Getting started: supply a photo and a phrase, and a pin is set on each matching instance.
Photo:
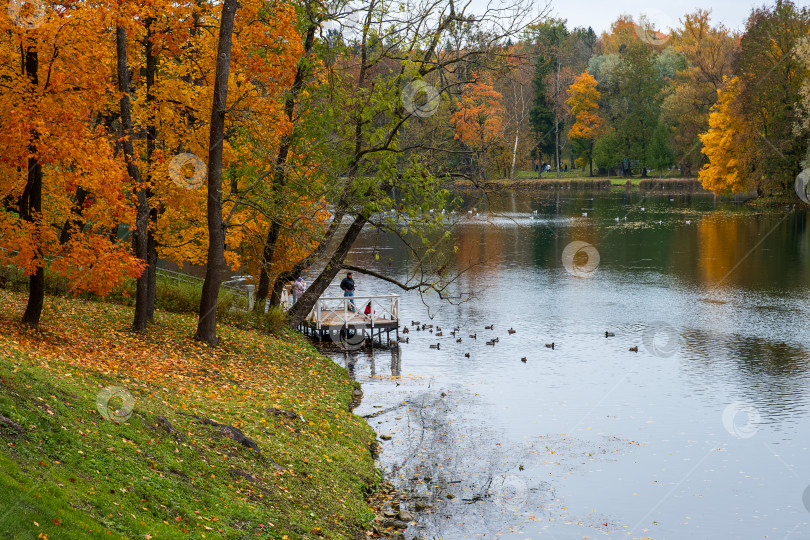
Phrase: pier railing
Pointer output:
(334, 310)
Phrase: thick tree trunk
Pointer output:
(33, 213)
(151, 136)
(31, 204)
(142, 214)
(207, 325)
(268, 253)
(298, 312)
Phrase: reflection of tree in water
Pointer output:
(396, 363)
(475, 485)
(770, 375)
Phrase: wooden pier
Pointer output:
(333, 318)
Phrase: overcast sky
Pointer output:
(599, 14)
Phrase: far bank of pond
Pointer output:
(549, 182)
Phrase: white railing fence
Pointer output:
(338, 310)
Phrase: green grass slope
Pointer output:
(67, 472)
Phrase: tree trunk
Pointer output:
(151, 137)
(280, 179)
(33, 214)
(31, 203)
(207, 325)
(300, 266)
(142, 213)
(75, 222)
(267, 260)
(557, 117)
(514, 153)
(151, 271)
(298, 312)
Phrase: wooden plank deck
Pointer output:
(332, 320)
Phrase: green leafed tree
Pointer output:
(659, 152)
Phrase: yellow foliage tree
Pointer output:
(583, 101)
(726, 143)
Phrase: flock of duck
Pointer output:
(418, 327)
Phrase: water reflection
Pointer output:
(590, 437)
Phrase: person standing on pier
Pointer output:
(347, 285)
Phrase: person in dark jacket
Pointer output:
(347, 286)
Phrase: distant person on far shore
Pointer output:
(347, 286)
(298, 289)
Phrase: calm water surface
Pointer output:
(703, 433)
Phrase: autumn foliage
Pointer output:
(479, 119)
(724, 144)
(52, 120)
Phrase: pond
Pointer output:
(702, 433)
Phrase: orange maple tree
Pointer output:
(60, 181)
(479, 118)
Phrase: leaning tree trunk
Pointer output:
(207, 325)
(31, 203)
(306, 262)
(299, 311)
(142, 214)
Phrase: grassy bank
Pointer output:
(67, 472)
